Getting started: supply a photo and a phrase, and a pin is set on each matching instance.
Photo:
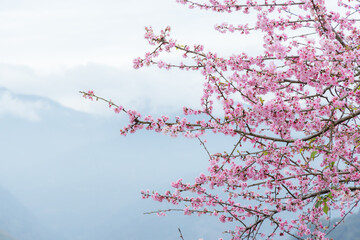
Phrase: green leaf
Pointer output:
(313, 154)
(318, 203)
(312, 140)
(352, 107)
(325, 208)
(179, 46)
(330, 195)
(357, 87)
(261, 100)
(266, 153)
(331, 165)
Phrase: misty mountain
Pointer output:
(140, 226)
(75, 174)
(5, 236)
(347, 230)
(17, 222)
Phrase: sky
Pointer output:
(56, 48)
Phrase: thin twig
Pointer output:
(207, 151)
(181, 236)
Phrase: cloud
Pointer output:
(56, 48)
(147, 89)
(15, 106)
(46, 34)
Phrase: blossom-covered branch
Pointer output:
(293, 112)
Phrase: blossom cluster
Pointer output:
(296, 104)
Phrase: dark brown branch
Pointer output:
(322, 192)
(181, 236)
(325, 129)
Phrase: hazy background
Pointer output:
(72, 176)
(65, 171)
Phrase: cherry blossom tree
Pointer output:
(297, 104)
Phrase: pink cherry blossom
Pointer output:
(292, 111)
